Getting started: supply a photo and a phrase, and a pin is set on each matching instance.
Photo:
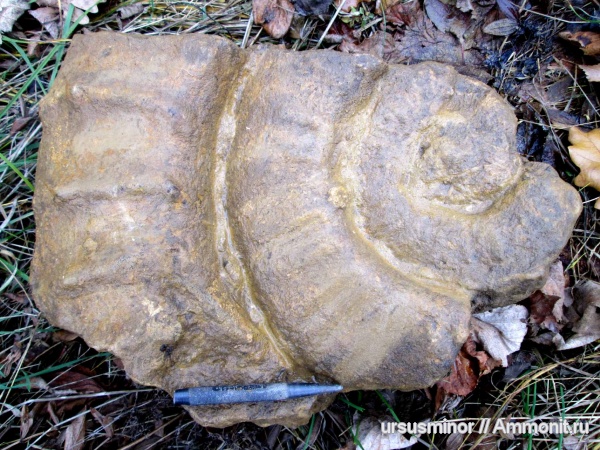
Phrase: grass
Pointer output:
(51, 382)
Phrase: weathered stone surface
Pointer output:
(273, 215)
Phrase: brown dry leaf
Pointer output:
(379, 44)
(555, 285)
(486, 362)
(589, 41)
(105, 421)
(52, 414)
(275, 16)
(48, 17)
(546, 305)
(462, 379)
(338, 33)
(64, 336)
(509, 9)
(542, 308)
(402, 13)
(470, 364)
(75, 434)
(585, 153)
(26, 421)
(586, 300)
(448, 18)
(73, 380)
(592, 72)
(130, 10)
(501, 330)
(38, 383)
(11, 359)
(10, 11)
(502, 27)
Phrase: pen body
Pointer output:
(216, 395)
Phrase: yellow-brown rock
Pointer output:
(272, 215)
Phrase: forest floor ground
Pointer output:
(56, 392)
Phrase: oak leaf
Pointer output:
(585, 153)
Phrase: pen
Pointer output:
(217, 395)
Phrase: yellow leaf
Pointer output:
(585, 153)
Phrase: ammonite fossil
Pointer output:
(270, 215)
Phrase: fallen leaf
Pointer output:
(509, 9)
(368, 432)
(75, 434)
(275, 16)
(131, 10)
(486, 362)
(502, 27)
(312, 7)
(542, 308)
(447, 18)
(64, 336)
(592, 72)
(586, 300)
(585, 153)
(105, 421)
(84, 5)
(555, 285)
(588, 41)
(10, 11)
(470, 364)
(52, 414)
(546, 305)
(562, 120)
(76, 381)
(6, 363)
(26, 421)
(520, 362)
(378, 45)
(48, 17)
(80, 6)
(338, 33)
(464, 5)
(575, 442)
(501, 330)
(402, 13)
(38, 383)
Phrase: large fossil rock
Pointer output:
(270, 215)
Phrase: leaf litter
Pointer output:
(411, 35)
